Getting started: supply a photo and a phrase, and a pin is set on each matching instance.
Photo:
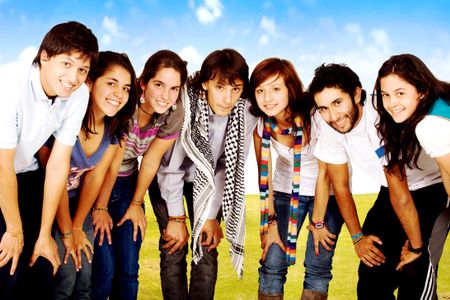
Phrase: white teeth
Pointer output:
(67, 85)
(113, 102)
(162, 103)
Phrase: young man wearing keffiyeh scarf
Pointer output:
(206, 165)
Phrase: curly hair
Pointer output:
(296, 96)
(401, 145)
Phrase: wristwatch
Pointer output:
(318, 225)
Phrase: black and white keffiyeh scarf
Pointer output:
(195, 141)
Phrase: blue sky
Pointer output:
(362, 34)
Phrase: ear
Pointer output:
(204, 86)
(89, 84)
(357, 95)
(44, 56)
(142, 85)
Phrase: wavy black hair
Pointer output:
(401, 145)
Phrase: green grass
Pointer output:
(345, 264)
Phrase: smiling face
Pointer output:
(272, 96)
(222, 96)
(338, 109)
(400, 98)
(110, 92)
(63, 73)
(161, 91)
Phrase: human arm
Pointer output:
(11, 244)
(444, 166)
(404, 207)
(64, 222)
(56, 173)
(322, 235)
(149, 166)
(365, 248)
(101, 219)
(171, 182)
(90, 189)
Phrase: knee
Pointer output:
(275, 261)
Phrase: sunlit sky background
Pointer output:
(362, 34)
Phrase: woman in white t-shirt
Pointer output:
(414, 111)
(285, 126)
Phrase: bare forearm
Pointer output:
(63, 218)
(55, 183)
(9, 199)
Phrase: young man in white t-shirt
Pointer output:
(351, 136)
(39, 99)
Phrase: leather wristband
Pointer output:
(414, 250)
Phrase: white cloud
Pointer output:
(269, 29)
(209, 12)
(439, 64)
(268, 25)
(111, 30)
(28, 53)
(354, 30)
(106, 39)
(381, 39)
(110, 26)
(264, 39)
(191, 55)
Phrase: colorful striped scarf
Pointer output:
(269, 126)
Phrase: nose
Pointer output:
(267, 97)
(118, 92)
(165, 94)
(334, 116)
(73, 76)
(228, 98)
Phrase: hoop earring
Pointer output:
(142, 99)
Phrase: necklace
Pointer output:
(146, 112)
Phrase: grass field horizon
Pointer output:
(345, 263)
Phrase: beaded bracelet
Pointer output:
(100, 208)
(65, 235)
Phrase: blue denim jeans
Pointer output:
(70, 284)
(273, 271)
(115, 267)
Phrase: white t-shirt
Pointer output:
(433, 133)
(28, 118)
(282, 174)
(361, 146)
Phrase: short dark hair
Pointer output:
(118, 125)
(401, 145)
(67, 38)
(227, 65)
(334, 75)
